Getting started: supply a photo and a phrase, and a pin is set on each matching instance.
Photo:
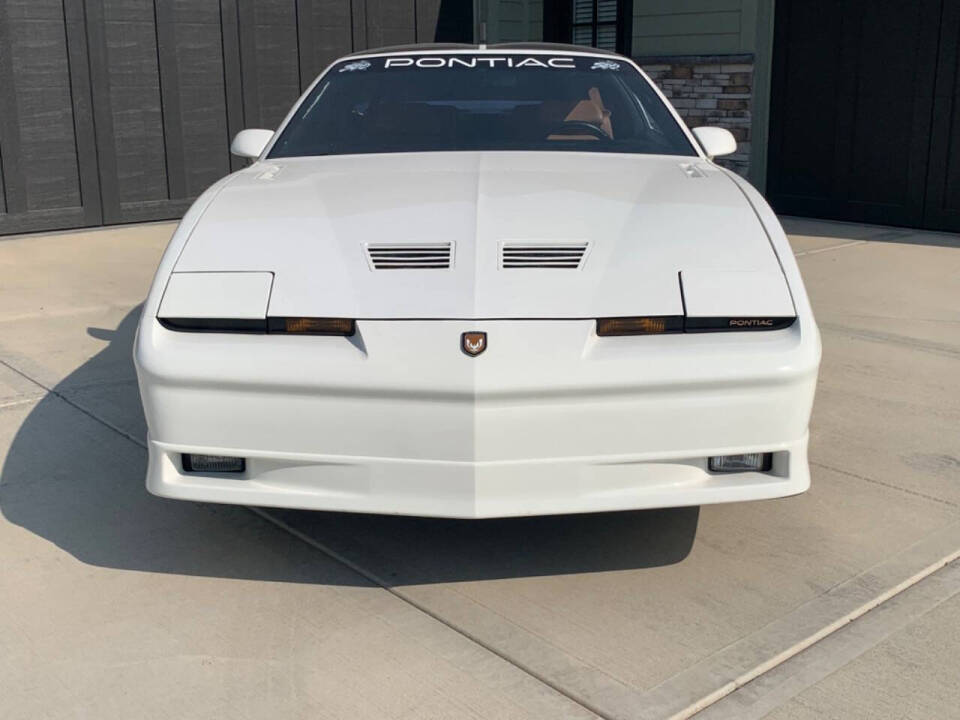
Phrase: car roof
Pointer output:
(531, 46)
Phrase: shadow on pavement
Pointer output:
(416, 551)
(79, 485)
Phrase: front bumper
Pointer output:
(550, 419)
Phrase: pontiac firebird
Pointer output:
(473, 281)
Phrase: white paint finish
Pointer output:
(234, 295)
(471, 490)
(544, 391)
(251, 143)
(398, 419)
(546, 397)
(309, 222)
(735, 293)
(715, 141)
(644, 217)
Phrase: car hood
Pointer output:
(642, 219)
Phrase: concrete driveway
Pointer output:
(838, 603)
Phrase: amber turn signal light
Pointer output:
(311, 326)
(639, 325)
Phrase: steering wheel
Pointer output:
(575, 127)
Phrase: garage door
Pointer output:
(865, 111)
(115, 111)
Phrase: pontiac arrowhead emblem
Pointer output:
(473, 343)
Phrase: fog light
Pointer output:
(751, 462)
(213, 464)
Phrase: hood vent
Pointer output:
(425, 256)
(564, 256)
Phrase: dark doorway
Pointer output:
(862, 120)
(454, 22)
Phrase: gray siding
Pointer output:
(118, 111)
(694, 27)
(46, 125)
(660, 27)
(514, 20)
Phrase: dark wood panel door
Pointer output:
(326, 33)
(193, 97)
(942, 210)
(48, 175)
(445, 21)
(159, 104)
(116, 111)
(269, 60)
(851, 108)
(805, 98)
(125, 76)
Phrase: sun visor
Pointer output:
(230, 295)
(736, 294)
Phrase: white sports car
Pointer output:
(478, 281)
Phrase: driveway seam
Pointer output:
(885, 338)
(884, 484)
(20, 401)
(539, 636)
(74, 405)
(842, 649)
(812, 639)
(46, 314)
(815, 251)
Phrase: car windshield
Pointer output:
(421, 103)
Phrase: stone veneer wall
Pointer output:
(710, 90)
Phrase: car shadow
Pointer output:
(74, 471)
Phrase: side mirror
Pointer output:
(250, 143)
(715, 141)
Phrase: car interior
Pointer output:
(581, 119)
